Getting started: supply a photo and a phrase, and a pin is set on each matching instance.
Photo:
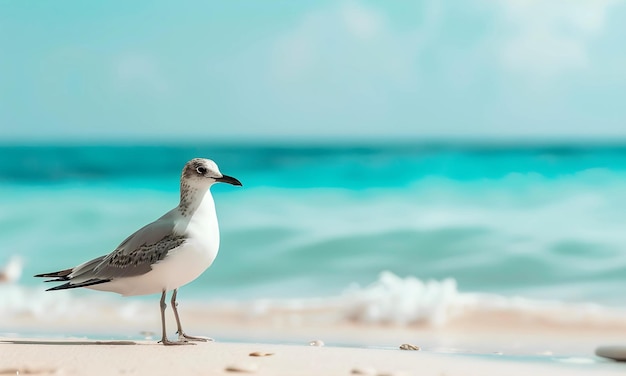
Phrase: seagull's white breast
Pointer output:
(182, 264)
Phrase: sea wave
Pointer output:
(410, 301)
(543, 223)
(390, 300)
(546, 239)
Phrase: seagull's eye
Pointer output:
(201, 170)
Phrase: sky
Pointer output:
(311, 70)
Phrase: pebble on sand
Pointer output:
(408, 346)
(615, 352)
(368, 371)
(317, 342)
(243, 368)
(260, 353)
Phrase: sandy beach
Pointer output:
(488, 344)
(84, 357)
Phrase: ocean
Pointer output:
(412, 225)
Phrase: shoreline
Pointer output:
(476, 338)
(486, 332)
(497, 330)
(89, 357)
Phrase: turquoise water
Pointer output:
(542, 222)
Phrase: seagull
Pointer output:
(163, 255)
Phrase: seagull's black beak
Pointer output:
(229, 180)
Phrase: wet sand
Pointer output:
(88, 357)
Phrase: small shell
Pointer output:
(260, 353)
(408, 346)
(317, 342)
(243, 368)
(368, 371)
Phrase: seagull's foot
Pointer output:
(167, 342)
(184, 337)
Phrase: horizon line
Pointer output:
(486, 142)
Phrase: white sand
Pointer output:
(146, 358)
(510, 347)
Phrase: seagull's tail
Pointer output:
(62, 275)
(80, 274)
(70, 285)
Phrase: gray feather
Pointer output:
(136, 254)
(139, 261)
(147, 235)
(85, 268)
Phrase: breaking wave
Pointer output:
(390, 300)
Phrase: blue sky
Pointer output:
(248, 70)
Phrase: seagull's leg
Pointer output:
(181, 333)
(164, 339)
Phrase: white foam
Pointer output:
(410, 301)
(402, 301)
(389, 300)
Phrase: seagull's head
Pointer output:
(200, 172)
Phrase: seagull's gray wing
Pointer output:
(136, 255)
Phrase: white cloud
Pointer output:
(548, 38)
(531, 37)
(362, 22)
(490, 67)
(543, 53)
(342, 41)
(344, 60)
